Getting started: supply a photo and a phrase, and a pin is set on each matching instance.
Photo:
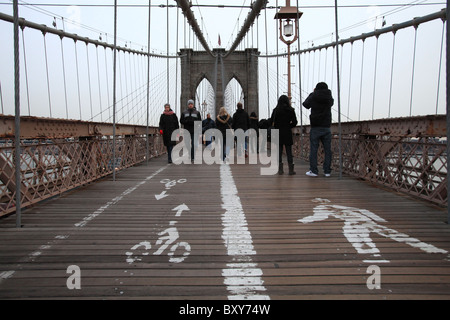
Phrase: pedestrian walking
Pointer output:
(188, 119)
(241, 120)
(284, 119)
(168, 123)
(224, 123)
(207, 124)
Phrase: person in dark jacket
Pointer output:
(284, 119)
(187, 119)
(223, 123)
(207, 124)
(320, 102)
(241, 120)
(254, 124)
(168, 123)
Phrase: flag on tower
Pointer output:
(220, 43)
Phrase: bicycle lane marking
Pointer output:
(31, 257)
(242, 276)
(167, 237)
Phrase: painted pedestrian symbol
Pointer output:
(359, 224)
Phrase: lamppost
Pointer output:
(285, 15)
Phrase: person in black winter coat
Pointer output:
(284, 119)
(187, 119)
(254, 124)
(241, 120)
(320, 102)
(207, 124)
(168, 123)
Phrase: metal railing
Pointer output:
(408, 155)
(52, 164)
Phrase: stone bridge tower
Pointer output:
(219, 71)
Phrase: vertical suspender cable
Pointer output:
(267, 68)
(300, 87)
(48, 78)
(89, 80)
(107, 85)
(64, 78)
(17, 114)
(26, 72)
(147, 143)
(332, 68)
(114, 91)
(278, 67)
(440, 65)
(78, 76)
(339, 89)
(375, 77)
(167, 51)
(361, 82)
(176, 64)
(392, 75)
(448, 104)
(350, 81)
(99, 85)
(413, 69)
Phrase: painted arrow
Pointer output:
(161, 195)
(180, 209)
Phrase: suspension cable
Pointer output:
(375, 77)
(89, 78)
(64, 78)
(99, 84)
(392, 76)
(78, 77)
(48, 78)
(440, 64)
(147, 138)
(361, 80)
(26, 73)
(350, 81)
(413, 70)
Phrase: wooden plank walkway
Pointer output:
(226, 232)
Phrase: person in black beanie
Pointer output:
(320, 102)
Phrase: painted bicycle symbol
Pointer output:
(170, 183)
(166, 239)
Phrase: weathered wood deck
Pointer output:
(224, 245)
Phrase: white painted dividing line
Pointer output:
(5, 275)
(242, 276)
(100, 210)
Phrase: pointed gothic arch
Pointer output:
(219, 71)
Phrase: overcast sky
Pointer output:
(316, 25)
(169, 30)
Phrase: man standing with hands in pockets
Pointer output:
(320, 102)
